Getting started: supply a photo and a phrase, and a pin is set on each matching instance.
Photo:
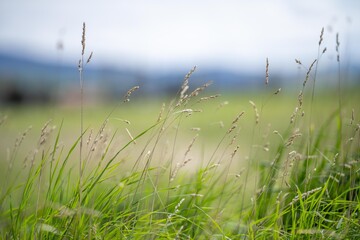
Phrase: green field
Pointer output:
(190, 174)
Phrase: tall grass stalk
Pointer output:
(81, 66)
(339, 144)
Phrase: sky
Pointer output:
(161, 34)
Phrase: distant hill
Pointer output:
(30, 77)
(43, 80)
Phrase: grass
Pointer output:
(193, 168)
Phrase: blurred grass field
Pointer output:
(211, 121)
(212, 117)
(263, 134)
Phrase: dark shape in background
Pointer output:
(26, 80)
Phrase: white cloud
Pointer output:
(234, 33)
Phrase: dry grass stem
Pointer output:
(43, 129)
(128, 93)
(304, 195)
(194, 111)
(189, 111)
(20, 139)
(161, 112)
(96, 141)
(257, 116)
(277, 133)
(128, 132)
(89, 138)
(123, 120)
(191, 144)
(29, 158)
(45, 132)
(102, 128)
(185, 161)
(99, 135)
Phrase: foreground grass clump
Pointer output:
(265, 176)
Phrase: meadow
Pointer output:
(271, 164)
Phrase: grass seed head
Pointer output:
(83, 39)
(232, 128)
(209, 97)
(79, 65)
(257, 116)
(308, 72)
(129, 92)
(237, 118)
(321, 36)
(337, 47)
(291, 139)
(91, 54)
(300, 98)
(19, 140)
(199, 89)
(89, 138)
(191, 144)
(304, 195)
(235, 151)
(185, 87)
